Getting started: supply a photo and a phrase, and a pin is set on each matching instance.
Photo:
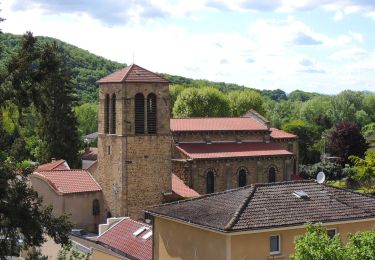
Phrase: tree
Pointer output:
(364, 168)
(361, 246)
(174, 91)
(315, 111)
(333, 171)
(317, 245)
(368, 130)
(345, 105)
(307, 134)
(201, 102)
(23, 216)
(87, 117)
(241, 102)
(345, 140)
(39, 76)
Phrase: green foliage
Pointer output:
(299, 95)
(368, 130)
(361, 246)
(70, 252)
(40, 77)
(174, 92)
(333, 171)
(202, 102)
(307, 133)
(242, 101)
(364, 168)
(315, 111)
(23, 216)
(87, 117)
(36, 255)
(281, 112)
(317, 245)
(86, 68)
(276, 95)
(345, 105)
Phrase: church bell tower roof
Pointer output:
(133, 73)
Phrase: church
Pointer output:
(140, 147)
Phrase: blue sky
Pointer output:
(314, 45)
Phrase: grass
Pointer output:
(342, 184)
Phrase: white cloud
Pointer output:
(338, 16)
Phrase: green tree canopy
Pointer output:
(22, 215)
(307, 134)
(87, 117)
(241, 102)
(317, 245)
(364, 168)
(201, 102)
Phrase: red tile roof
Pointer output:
(133, 73)
(280, 134)
(120, 237)
(230, 150)
(181, 189)
(69, 181)
(54, 165)
(216, 124)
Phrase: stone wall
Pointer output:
(137, 165)
(226, 172)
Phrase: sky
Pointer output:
(323, 46)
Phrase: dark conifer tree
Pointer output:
(58, 124)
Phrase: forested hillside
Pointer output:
(87, 68)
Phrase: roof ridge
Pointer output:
(130, 68)
(241, 208)
(200, 197)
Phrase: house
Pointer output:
(89, 157)
(259, 221)
(74, 192)
(127, 238)
(140, 147)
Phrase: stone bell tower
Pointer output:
(134, 143)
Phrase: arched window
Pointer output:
(106, 114)
(113, 126)
(242, 177)
(272, 174)
(139, 112)
(95, 207)
(151, 113)
(210, 182)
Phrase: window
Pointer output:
(106, 114)
(210, 182)
(275, 245)
(151, 113)
(113, 126)
(331, 232)
(242, 175)
(95, 207)
(272, 174)
(108, 150)
(139, 112)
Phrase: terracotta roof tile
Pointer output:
(264, 206)
(69, 181)
(230, 150)
(133, 73)
(216, 124)
(120, 237)
(54, 165)
(181, 189)
(280, 134)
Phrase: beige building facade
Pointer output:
(176, 240)
(256, 222)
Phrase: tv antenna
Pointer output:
(320, 178)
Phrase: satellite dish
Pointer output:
(321, 177)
